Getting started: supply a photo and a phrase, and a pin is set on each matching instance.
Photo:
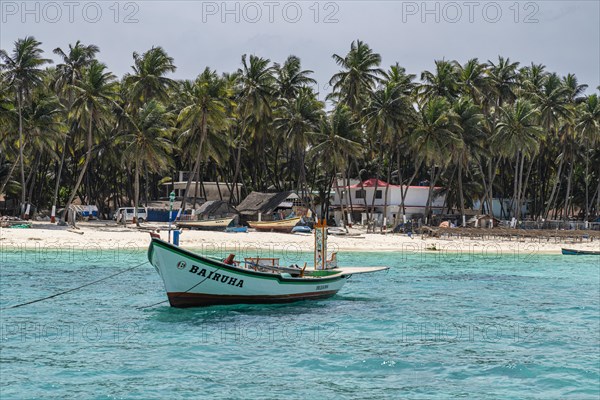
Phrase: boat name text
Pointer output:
(230, 280)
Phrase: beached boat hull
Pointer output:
(301, 229)
(573, 252)
(237, 229)
(284, 225)
(192, 280)
(207, 225)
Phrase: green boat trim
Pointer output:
(217, 263)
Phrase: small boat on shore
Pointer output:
(194, 280)
(282, 225)
(207, 225)
(301, 229)
(236, 229)
(574, 252)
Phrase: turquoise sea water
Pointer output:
(434, 326)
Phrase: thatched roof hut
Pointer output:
(265, 203)
(216, 209)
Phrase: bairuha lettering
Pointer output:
(230, 280)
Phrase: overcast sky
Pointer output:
(563, 35)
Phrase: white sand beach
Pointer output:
(107, 235)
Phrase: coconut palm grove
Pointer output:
(478, 129)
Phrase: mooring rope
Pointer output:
(164, 301)
(74, 289)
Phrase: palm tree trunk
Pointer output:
(554, 184)
(31, 180)
(404, 189)
(196, 165)
(349, 195)
(461, 194)
(485, 189)
(520, 188)
(337, 190)
(21, 144)
(556, 204)
(238, 164)
(490, 195)
(598, 197)
(432, 181)
(136, 194)
(568, 193)
(587, 185)
(387, 190)
(524, 189)
(12, 170)
(371, 214)
(515, 186)
(88, 157)
(58, 175)
(217, 181)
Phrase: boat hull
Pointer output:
(208, 225)
(192, 280)
(573, 252)
(284, 225)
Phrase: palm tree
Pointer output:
(553, 106)
(503, 81)
(336, 142)
(68, 72)
(206, 109)
(388, 110)
(93, 100)
(518, 135)
(256, 88)
(291, 78)
(78, 57)
(588, 126)
(470, 118)
(438, 133)
(532, 79)
(22, 72)
(146, 145)
(398, 77)
(443, 83)
(43, 119)
(472, 80)
(298, 119)
(148, 80)
(359, 75)
(9, 124)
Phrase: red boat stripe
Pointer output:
(182, 299)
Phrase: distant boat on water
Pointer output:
(574, 252)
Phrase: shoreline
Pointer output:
(94, 236)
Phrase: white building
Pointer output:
(206, 191)
(414, 203)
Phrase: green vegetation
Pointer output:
(479, 129)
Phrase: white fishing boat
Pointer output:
(192, 280)
(207, 225)
(282, 225)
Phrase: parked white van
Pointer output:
(129, 213)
